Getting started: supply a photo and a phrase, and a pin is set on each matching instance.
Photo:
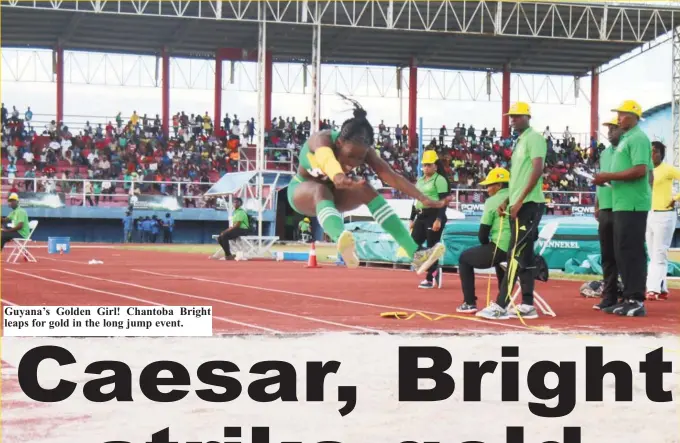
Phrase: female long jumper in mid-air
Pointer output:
(323, 189)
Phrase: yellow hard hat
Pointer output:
(429, 157)
(520, 108)
(306, 220)
(612, 122)
(631, 107)
(13, 196)
(496, 175)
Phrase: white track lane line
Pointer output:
(217, 300)
(225, 320)
(333, 299)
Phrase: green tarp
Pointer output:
(576, 238)
(574, 249)
(593, 265)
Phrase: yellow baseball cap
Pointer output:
(13, 196)
(631, 107)
(429, 157)
(496, 175)
(612, 122)
(520, 108)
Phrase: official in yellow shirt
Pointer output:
(661, 223)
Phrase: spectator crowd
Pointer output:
(197, 152)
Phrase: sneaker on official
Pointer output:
(426, 285)
(611, 308)
(604, 304)
(632, 308)
(493, 312)
(422, 260)
(524, 311)
(466, 309)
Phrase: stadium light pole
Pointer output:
(420, 149)
(261, 66)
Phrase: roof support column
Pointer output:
(165, 86)
(413, 106)
(674, 156)
(217, 117)
(505, 98)
(594, 104)
(268, 77)
(316, 83)
(58, 59)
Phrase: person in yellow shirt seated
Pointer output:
(661, 223)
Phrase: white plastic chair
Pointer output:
(545, 236)
(21, 246)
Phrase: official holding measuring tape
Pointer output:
(494, 236)
(525, 206)
(427, 224)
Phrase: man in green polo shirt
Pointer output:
(494, 236)
(525, 206)
(630, 177)
(240, 226)
(605, 218)
(19, 220)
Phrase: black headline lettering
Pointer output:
(515, 434)
(212, 373)
(258, 435)
(654, 367)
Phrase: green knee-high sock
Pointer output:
(330, 219)
(390, 222)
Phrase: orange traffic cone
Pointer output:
(311, 262)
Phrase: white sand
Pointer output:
(368, 362)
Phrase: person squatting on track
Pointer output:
(630, 177)
(661, 223)
(494, 236)
(427, 224)
(605, 219)
(525, 206)
(323, 189)
(240, 226)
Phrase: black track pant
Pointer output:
(610, 270)
(8, 236)
(479, 257)
(223, 239)
(422, 231)
(631, 257)
(523, 236)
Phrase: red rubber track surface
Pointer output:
(264, 297)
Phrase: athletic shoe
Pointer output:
(632, 308)
(604, 304)
(493, 312)
(652, 296)
(346, 249)
(663, 296)
(466, 309)
(611, 308)
(525, 311)
(426, 285)
(423, 260)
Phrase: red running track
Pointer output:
(262, 297)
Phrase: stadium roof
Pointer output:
(532, 37)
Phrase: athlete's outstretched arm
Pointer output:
(398, 181)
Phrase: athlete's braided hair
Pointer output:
(357, 129)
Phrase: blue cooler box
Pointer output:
(56, 245)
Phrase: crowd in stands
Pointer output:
(198, 152)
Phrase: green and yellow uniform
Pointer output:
(604, 193)
(17, 216)
(241, 216)
(500, 226)
(634, 149)
(432, 187)
(530, 145)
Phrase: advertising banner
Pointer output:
(41, 200)
(156, 202)
(583, 211)
(472, 209)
